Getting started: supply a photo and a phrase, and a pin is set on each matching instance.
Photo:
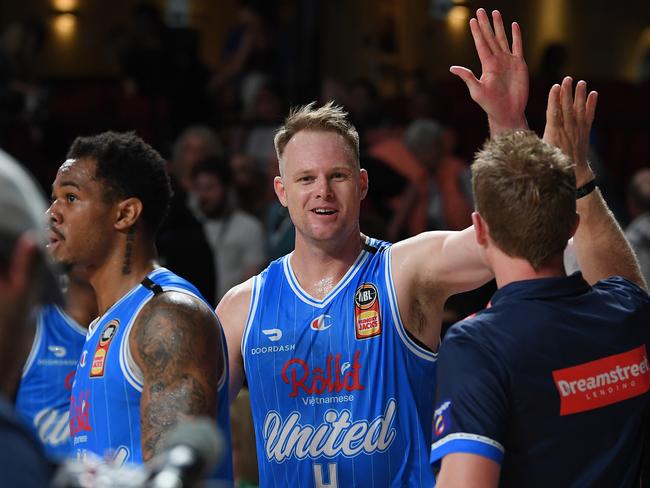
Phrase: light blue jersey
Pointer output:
(105, 406)
(43, 398)
(341, 394)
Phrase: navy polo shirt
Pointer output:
(551, 382)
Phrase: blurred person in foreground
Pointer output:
(338, 338)
(549, 386)
(26, 282)
(155, 355)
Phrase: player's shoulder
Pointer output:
(236, 301)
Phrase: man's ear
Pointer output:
(480, 229)
(363, 183)
(128, 213)
(278, 186)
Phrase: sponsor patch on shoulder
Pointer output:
(101, 351)
(442, 419)
(367, 313)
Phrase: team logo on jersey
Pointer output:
(58, 351)
(322, 322)
(367, 315)
(604, 381)
(441, 418)
(274, 335)
(101, 351)
(333, 378)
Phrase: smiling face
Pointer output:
(80, 217)
(322, 186)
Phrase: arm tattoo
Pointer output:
(180, 351)
(128, 254)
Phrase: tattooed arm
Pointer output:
(176, 343)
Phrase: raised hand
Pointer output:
(502, 90)
(568, 122)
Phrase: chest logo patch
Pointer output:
(367, 314)
(101, 351)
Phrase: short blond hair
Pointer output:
(525, 190)
(328, 118)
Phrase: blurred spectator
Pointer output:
(449, 206)
(195, 144)
(182, 244)
(264, 117)
(248, 53)
(251, 183)
(236, 238)
(638, 231)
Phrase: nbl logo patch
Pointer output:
(101, 351)
(367, 314)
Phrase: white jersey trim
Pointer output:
(412, 346)
(465, 436)
(130, 369)
(306, 297)
(252, 310)
(36, 344)
(72, 323)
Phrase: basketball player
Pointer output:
(338, 338)
(155, 354)
(43, 397)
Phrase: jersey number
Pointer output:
(318, 476)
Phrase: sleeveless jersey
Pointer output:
(43, 398)
(341, 395)
(105, 404)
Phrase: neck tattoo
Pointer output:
(128, 255)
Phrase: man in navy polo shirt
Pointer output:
(549, 386)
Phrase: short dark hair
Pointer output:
(130, 168)
(214, 165)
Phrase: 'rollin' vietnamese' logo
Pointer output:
(334, 378)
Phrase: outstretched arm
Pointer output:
(502, 90)
(601, 247)
(176, 343)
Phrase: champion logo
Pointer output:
(322, 322)
(274, 335)
(58, 351)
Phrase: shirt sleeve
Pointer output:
(471, 401)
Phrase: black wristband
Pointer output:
(586, 189)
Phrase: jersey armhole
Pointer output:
(413, 346)
(252, 310)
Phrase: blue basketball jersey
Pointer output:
(43, 398)
(105, 405)
(341, 394)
